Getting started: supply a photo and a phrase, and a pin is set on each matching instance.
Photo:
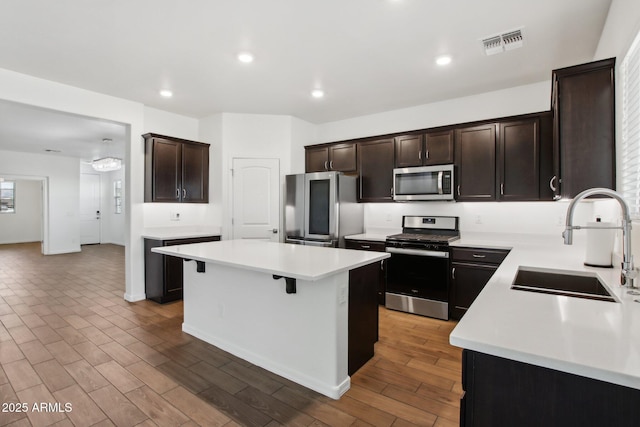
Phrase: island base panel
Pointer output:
(502, 392)
(302, 337)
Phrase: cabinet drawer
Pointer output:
(477, 255)
(190, 240)
(364, 245)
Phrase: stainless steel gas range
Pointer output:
(418, 270)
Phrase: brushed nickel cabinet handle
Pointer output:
(453, 273)
(184, 193)
(553, 188)
(420, 155)
(325, 165)
(502, 189)
(331, 165)
(177, 193)
(479, 256)
(426, 155)
(458, 189)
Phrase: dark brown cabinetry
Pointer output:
(375, 168)
(518, 168)
(176, 170)
(363, 316)
(431, 148)
(501, 392)
(476, 163)
(367, 245)
(163, 274)
(583, 105)
(471, 269)
(339, 157)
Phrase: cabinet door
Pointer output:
(365, 245)
(164, 158)
(408, 150)
(518, 160)
(467, 280)
(317, 159)
(342, 158)
(375, 166)
(438, 148)
(476, 163)
(195, 173)
(586, 126)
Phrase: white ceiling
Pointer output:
(368, 55)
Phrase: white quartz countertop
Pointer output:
(282, 259)
(595, 339)
(186, 232)
(375, 234)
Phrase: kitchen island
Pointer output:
(539, 359)
(290, 309)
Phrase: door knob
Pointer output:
(274, 231)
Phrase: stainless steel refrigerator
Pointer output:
(321, 208)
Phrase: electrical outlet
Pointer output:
(342, 295)
(174, 216)
(478, 219)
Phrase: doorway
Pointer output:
(90, 211)
(256, 199)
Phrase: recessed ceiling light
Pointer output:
(245, 57)
(317, 93)
(443, 60)
(165, 93)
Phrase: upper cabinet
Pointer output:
(338, 157)
(375, 166)
(476, 163)
(431, 148)
(176, 170)
(518, 168)
(583, 105)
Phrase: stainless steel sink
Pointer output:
(559, 282)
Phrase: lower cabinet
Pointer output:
(163, 274)
(363, 316)
(369, 245)
(471, 269)
(501, 392)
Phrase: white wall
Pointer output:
(25, 225)
(302, 133)
(517, 100)
(29, 90)
(620, 28)
(210, 131)
(159, 214)
(252, 136)
(62, 175)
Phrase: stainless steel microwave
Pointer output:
(423, 183)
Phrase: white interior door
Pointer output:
(256, 199)
(89, 208)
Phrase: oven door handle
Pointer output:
(440, 177)
(418, 252)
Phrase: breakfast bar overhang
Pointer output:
(280, 306)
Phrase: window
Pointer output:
(630, 180)
(7, 197)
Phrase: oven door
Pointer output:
(418, 282)
(418, 273)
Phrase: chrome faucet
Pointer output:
(628, 272)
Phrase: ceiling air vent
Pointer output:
(501, 42)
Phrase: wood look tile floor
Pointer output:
(67, 336)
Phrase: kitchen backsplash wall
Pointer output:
(513, 217)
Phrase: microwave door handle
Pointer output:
(440, 176)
